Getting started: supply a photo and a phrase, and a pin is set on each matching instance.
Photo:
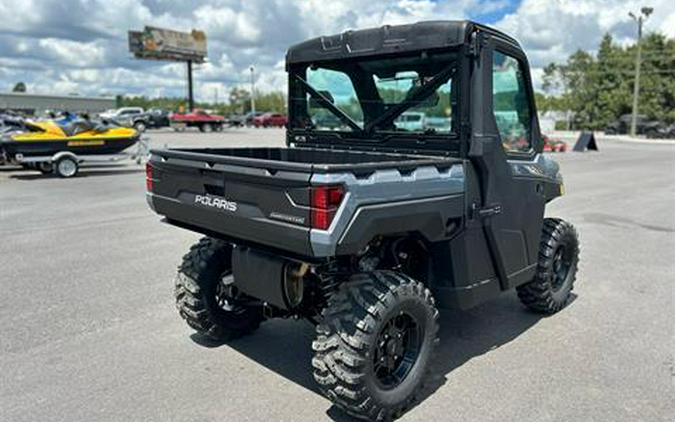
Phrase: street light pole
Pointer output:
(645, 12)
(252, 89)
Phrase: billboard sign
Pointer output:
(165, 44)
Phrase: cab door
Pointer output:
(504, 146)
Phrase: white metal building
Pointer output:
(38, 104)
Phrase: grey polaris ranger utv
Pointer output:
(412, 180)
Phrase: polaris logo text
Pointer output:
(213, 202)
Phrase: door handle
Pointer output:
(485, 212)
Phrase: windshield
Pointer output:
(362, 98)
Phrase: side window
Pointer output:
(511, 103)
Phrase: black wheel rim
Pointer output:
(562, 262)
(396, 351)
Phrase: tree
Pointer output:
(271, 101)
(614, 91)
(598, 89)
(19, 87)
(240, 99)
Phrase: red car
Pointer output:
(204, 121)
(270, 120)
(554, 145)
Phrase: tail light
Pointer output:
(325, 201)
(148, 177)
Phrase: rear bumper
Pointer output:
(261, 197)
(230, 226)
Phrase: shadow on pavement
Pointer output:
(617, 221)
(86, 172)
(195, 131)
(284, 346)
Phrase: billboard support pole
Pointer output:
(191, 100)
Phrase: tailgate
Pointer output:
(257, 201)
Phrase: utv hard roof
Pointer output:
(388, 39)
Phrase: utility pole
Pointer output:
(252, 69)
(644, 14)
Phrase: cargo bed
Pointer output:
(304, 159)
(262, 195)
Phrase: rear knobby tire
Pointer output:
(196, 290)
(355, 325)
(552, 286)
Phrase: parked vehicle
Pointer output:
(248, 117)
(236, 120)
(153, 118)
(553, 145)
(661, 132)
(411, 120)
(643, 126)
(270, 120)
(439, 123)
(200, 119)
(241, 120)
(367, 231)
(120, 114)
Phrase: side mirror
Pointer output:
(314, 103)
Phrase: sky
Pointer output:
(80, 46)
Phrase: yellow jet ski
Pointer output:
(79, 136)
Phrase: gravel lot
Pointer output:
(89, 331)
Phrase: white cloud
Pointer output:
(273, 79)
(551, 30)
(73, 53)
(221, 22)
(80, 45)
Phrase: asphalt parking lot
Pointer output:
(89, 331)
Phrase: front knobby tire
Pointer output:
(375, 344)
(198, 289)
(552, 286)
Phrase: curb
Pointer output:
(572, 137)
